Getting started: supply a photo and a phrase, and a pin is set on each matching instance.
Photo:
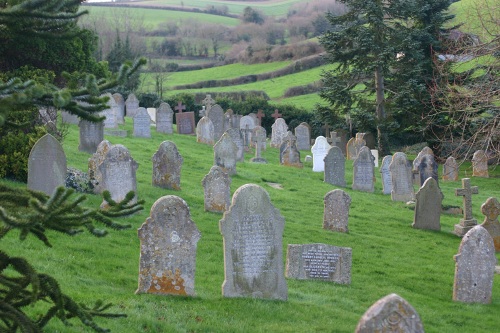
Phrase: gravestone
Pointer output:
(167, 164)
(336, 212)
(46, 165)
(468, 222)
(228, 123)
(164, 119)
(303, 137)
(110, 120)
(335, 167)
(69, 118)
(142, 121)
(370, 141)
(319, 262)
(254, 118)
(216, 115)
(428, 206)
(416, 164)
(91, 135)
(216, 186)
(208, 102)
(385, 173)
(235, 134)
(120, 105)
(450, 170)
(118, 171)
(343, 135)
(428, 168)
(276, 115)
(491, 210)
(290, 155)
(246, 126)
(354, 146)
(391, 313)
(131, 106)
(279, 132)
(333, 140)
(263, 143)
(363, 171)
(205, 131)
(95, 161)
(184, 120)
(474, 267)
(252, 229)
(259, 136)
(152, 116)
(375, 156)
(225, 153)
(401, 175)
(260, 115)
(351, 149)
(319, 151)
(480, 164)
(169, 241)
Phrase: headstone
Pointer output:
(428, 206)
(208, 102)
(184, 120)
(95, 161)
(450, 170)
(335, 167)
(428, 168)
(375, 156)
(205, 131)
(343, 135)
(69, 118)
(167, 164)
(363, 171)
(142, 121)
(416, 164)
(168, 240)
(351, 149)
(279, 132)
(385, 173)
(152, 116)
(303, 137)
(276, 115)
(260, 115)
(164, 119)
(110, 113)
(290, 156)
(402, 185)
(468, 222)
(480, 164)
(120, 104)
(475, 267)
(225, 153)
(370, 141)
(333, 139)
(216, 115)
(354, 146)
(259, 136)
(491, 210)
(228, 117)
(216, 185)
(235, 134)
(91, 135)
(131, 106)
(254, 118)
(253, 246)
(319, 151)
(119, 173)
(336, 212)
(46, 165)
(246, 126)
(390, 314)
(319, 262)
(263, 143)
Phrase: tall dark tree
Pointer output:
(382, 52)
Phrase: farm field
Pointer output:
(388, 255)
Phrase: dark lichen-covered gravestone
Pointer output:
(167, 164)
(216, 185)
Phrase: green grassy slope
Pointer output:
(388, 255)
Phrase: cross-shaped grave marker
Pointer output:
(468, 222)
(491, 210)
(276, 114)
(258, 138)
(208, 101)
(334, 140)
(180, 107)
(260, 115)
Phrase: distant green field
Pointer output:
(307, 102)
(469, 12)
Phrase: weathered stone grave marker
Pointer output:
(167, 164)
(335, 167)
(402, 185)
(91, 135)
(290, 155)
(428, 206)
(205, 131)
(142, 124)
(279, 132)
(216, 186)
(450, 169)
(336, 212)
(363, 171)
(319, 151)
(208, 102)
(260, 115)
(480, 164)
(120, 105)
(468, 222)
(237, 138)
(95, 161)
(303, 137)
(225, 153)
(246, 126)
(164, 119)
(385, 173)
(491, 210)
(216, 115)
(428, 168)
(131, 105)
(258, 137)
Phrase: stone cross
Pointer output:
(260, 115)
(491, 210)
(334, 140)
(468, 221)
(208, 101)
(180, 107)
(259, 138)
(276, 114)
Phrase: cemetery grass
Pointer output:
(388, 256)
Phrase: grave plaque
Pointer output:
(131, 106)
(319, 262)
(450, 170)
(480, 164)
(216, 115)
(168, 240)
(363, 171)
(402, 185)
(386, 175)
(491, 210)
(225, 153)
(319, 151)
(142, 124)
(336, 212)
(216, 185)
(167, 164)
(95, 161)
(205, 131)
(235, 134)
(390, 314)
(253, 246)
(428, 206)
(164, 119)
(468, 222)
(91, 135)
(46, 165)
(335, 167)
(475, 267)
(279, 132)
(303, 137)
